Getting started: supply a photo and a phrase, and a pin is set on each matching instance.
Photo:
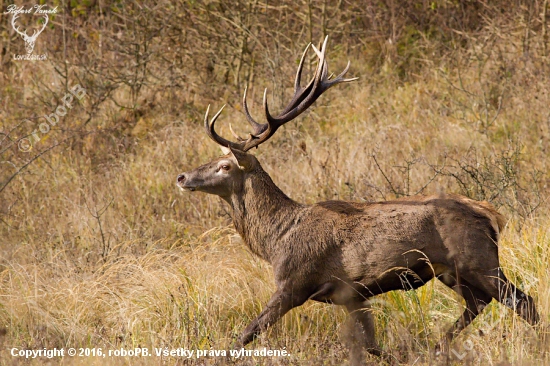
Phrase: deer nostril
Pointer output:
(181, 178)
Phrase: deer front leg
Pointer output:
(279, 304)
(359, 333)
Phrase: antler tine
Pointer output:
(239, 138)
(322, 68)
(340, 78)
(258, 128)
(211, 132)
(320, 53)
(243, 145)
(297, 86)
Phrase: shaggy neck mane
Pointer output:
(262, 214)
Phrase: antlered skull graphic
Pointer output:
(29, 40)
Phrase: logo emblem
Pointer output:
(29, 40)
(37, 10)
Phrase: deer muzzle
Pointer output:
(182, 182)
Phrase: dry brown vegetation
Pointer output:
(99, 249)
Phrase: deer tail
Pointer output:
(497, 219)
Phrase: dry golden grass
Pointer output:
(99, 249)
(197, 294)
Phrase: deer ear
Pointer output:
(243, 159)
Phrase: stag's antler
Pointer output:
(29, 40)
(302, 99)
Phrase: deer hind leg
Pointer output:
(495, 283)
(476, 300)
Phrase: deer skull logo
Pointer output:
(29, 40)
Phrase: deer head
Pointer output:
(29, 40)
(224, 175)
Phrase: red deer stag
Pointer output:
(346, 252)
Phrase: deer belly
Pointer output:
(397, 278)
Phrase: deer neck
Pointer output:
(262, 214)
